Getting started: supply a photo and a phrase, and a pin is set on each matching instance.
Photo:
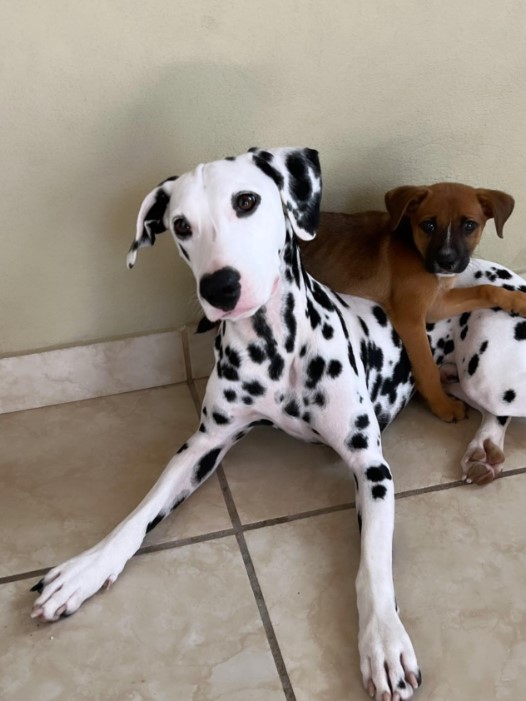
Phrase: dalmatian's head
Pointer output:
(229, 219)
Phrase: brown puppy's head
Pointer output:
(447, 220)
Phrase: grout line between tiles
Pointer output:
(265, 523)
(250, 570)
(256, 588)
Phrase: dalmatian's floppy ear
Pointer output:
(151, 219)
(297, 174)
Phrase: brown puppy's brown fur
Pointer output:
(406, 259)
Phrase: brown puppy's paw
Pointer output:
(449, 409)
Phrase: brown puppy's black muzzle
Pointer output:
(221, 289)
(447, 262)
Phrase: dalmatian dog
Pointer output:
(289, 352)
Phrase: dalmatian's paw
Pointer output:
(482, 463)
(66, 587)
(388, 662)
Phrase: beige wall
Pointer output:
(102, 99)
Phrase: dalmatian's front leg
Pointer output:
(65, 587)
(388, 662)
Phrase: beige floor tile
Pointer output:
(69, 473)
(460, 568)
(271, 474)
(181, 624)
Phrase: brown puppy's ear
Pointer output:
(497, 205)
(402, 201)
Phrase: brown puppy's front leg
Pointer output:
(468, 299)
(425, 371)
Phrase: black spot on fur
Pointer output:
(315, 370)
(464, 332)
(230, 395)
(449, 347)
(359, 517)
(233, 356)
(395, 338)
(247, 400)
(300, 185)
(206, 464)
(327, 331)
(306, 417)
(503, 274)
(220, 418)
(520, 331)
(38, 587)
(509, 396)
(381, 316)
(303, 350)
(362, 421)
(313, 315)
(292, 408)
(290, 322)
(401, 684)
(502, 420)
(319, 399)
(276, 366)
(334, 369)
(464, 318)
(352, 359)
(358, 442)
(269, 170)
(473, 364)
(364, 326)
(478, 274)
(154, 522)
(257, 354)
(378, 473)
(182, 448)
(378, 491)
(483, 347)
(254, 388)
(202, 428)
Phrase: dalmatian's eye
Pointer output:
(469, 226)
(245, 203)
(428, 226)
(182, 228)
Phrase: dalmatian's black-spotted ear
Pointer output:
(151, 219)
(297, 173)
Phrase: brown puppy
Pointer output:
(407, 260)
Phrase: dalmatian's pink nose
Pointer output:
(221, 289)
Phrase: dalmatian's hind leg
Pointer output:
(484, 457)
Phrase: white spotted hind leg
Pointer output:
(65, 587)
(484, 457)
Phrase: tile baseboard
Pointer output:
(99, 369)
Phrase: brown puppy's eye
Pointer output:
(428, 226)
(182, 228)
(245, 202)
(469, 226)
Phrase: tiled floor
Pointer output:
(247, 593)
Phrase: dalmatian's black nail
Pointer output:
(38, 587)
